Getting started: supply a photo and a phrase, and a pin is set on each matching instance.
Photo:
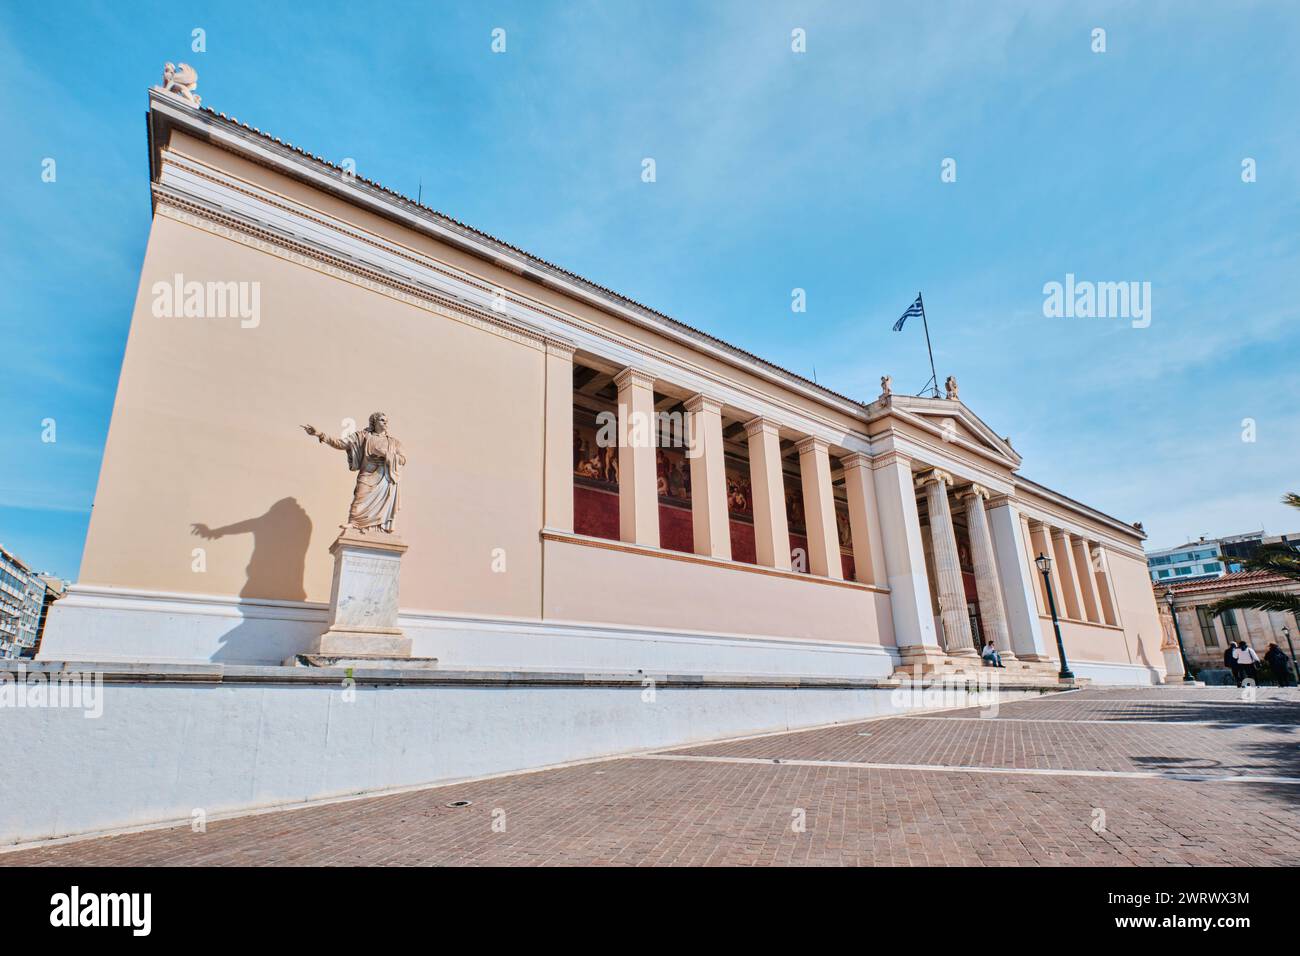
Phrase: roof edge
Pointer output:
(167, 112)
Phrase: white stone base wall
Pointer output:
(1127, 675)
(114, 625)
(102, 624)
(161, 751)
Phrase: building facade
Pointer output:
(590, 484)
(1211, 557)
(21, 597)
(1187, 562)
(1206, 637)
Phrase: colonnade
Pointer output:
(884, 519)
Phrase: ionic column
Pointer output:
(957, 637)
(1087, 580)
(771, 532)
(864, 521)
(992, 613)
(909, 585)
(557, 475)
(1068, 577)
(819, 508)
(638, 493)
(709, 519)
(1019, 577)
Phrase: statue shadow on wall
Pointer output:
(1145, 660)
(277, 565)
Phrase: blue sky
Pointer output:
(775, 170)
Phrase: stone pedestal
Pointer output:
(363, 598)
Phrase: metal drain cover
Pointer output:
(456, 804)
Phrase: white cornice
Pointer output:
(1070, 505)
(170, 112)
(266, 213)
(914, 411)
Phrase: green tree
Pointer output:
(1279, 559)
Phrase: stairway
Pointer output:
(1015, 673)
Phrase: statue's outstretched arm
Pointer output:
(239, 527)
(324, 439)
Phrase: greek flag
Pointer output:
(916, 308)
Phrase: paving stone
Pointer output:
(669, 812)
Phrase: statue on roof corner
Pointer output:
(950, 386)
(886, 385)
(181, 81)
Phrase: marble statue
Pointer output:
(181, 80)
(377, 458)
(886, 385)
(950, 386)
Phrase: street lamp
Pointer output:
(1045, 566)
(1295, 665)
(1178, 633)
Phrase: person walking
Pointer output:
(1247, 660)
(1230, 661)
(1280, 664)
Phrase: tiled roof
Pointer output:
(1249, 580)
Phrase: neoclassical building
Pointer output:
(1206, 636)
(591, 484)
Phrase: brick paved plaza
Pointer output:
(1175, 776)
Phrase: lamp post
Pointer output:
(1295, 666)
(1045, 566)
(1178, 633)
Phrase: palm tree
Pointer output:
(1280, 559)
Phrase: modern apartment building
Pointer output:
(25, 599)
(1208, 558)
(20, 607)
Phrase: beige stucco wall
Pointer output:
(205, 430)
(1137, 639)
(603, 584)
(1137, 609)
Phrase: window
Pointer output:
(1208, 634)
(1181, 571)
(1212, 567)
(1230, 626)
(1163, 573)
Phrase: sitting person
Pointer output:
(991, 657)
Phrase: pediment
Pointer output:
(950, 420)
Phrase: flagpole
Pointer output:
(934, 376)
